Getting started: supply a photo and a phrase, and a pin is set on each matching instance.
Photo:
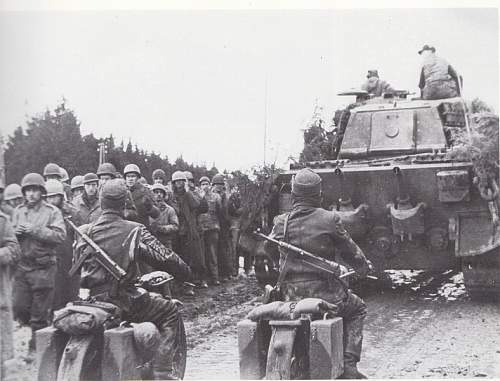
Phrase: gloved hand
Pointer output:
(343, 270)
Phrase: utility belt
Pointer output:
(322, 283)
(438, 80)
(128, 298)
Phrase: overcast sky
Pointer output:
(193, 82)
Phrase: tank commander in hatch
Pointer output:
(376, 86)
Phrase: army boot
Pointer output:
(351, 371)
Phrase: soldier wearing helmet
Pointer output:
(76, 186)
(64, 181)
(105, 172)
(111, 232)
(52, 171)
(140, 205)
(187, 207)
(166, 226)
(210, 227)
(66, 288)
(12, 197)
(322, 233)
(226, 265)
(87, 204)
(9, 255)
(159, 177)
(39, 227)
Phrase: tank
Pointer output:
(403, 200)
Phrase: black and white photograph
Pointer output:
(225, 190)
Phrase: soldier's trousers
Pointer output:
(165, 315)
(440, 90)
(33, 296)
(224, 253)
(66, 287)
(353, 312)
(191, 252)
(351, 309)
(210, 241)
(235, 236)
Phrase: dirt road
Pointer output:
(425, 326)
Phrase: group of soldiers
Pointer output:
(438, 79)
(189, 231)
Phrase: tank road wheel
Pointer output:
(180, 354)
(482, 275)
(81, 359)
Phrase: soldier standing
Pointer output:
(188, 206)
(159, 177)
(224, 249)
(9, 255)
(438, 79)
(110, 232)
(141, 206)
(64, 181)
(235, 211)
(320, 232)
(76, 187)
(12, 197)
(105, 172)
(66, 287)
(39, 228)
(166, 226)
(87, 204)
(209, 228)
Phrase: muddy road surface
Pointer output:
(423, 326)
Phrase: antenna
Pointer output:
(265, 119)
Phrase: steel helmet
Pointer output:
(204, 178)
(132, 168)
(54, 187)
(52, 169)
(179, 175)
(160, 187)
(90, 178)
(106, 169)
(159, 174)
(76, 182)
(218, 179)
(189, 175)
(12, 191)
(64, 174)
(33, 179)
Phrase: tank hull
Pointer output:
(427, 241)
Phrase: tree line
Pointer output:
(55, 136)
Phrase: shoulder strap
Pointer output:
(285, 227)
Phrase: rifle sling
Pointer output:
(283, 267)
(77, 265)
